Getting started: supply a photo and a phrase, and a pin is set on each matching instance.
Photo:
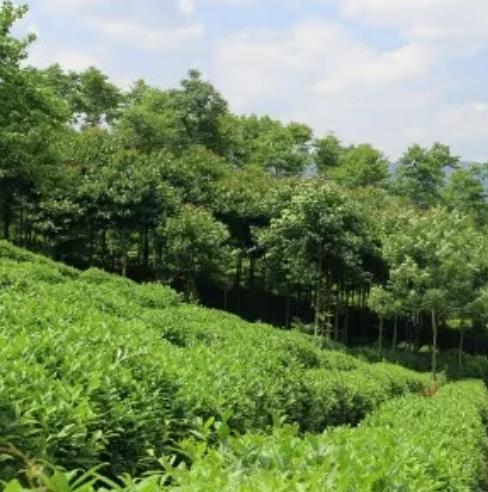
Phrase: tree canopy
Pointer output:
(169, 184)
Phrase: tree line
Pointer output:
(173, 184)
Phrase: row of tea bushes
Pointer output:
(470, 367)
(413, 443)
(96, 369)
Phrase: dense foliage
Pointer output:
(98, 369)
(413, 443)
(104, 377)
(170, 185)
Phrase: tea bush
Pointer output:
(97, 369)
(413, 443)
(471, 367)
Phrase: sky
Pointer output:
(388, 72)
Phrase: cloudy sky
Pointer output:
(389, 72)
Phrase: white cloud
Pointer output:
(456, 25)
(263, 63)
(335, 73)
(71, 60)
(70, 5)
(464, 124)
(41, 56)
(369, 67)
(187, 7)
(321, 54)
(320, 73)
(164, 39)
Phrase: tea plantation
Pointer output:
(108, 380)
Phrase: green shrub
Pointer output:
(97, 369)
(413, 443)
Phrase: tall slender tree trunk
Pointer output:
(252, 269)
(7, 212)
(336, 324)
(345, 326)
(91, 241)
(434, 344)
(287, 311)
(190, 290)
(145, 248)
(317, 307)
(124, 266)
(380, 336)
(461, 344)
(417, 330)
(226, 296)
(327, 306)
(238, 270)
(395, 334)
(21, 226)
(318, 293)
(337, 313)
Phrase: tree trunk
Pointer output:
(91, 241)
(191, 291)
(238, 270)
(145, 248)
(395, 334)
(251, 272)
(21, 226)
(287, 311)
(417, 330)
(434, 345)
(336, 324)
(380, 336)
(226, 303)
(124, 265)
(461, 344)
(318, 294)
(317, 307)
(337, 313)
(345, 326)
(6, 218)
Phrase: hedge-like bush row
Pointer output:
(471, 367)
(96, 369)
(413, 443)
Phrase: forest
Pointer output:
(125, 211)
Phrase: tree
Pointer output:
(241, 201)
(195, 247)
(93, 100)
(328, 151)
(282, 150)
(317, 237)
(200, 108)
(133, 198)
(97, 99)
(195, 173)
(150, 123)
(360, 165)
(466, 192)
(421, 172)
(30, 118)
(431, 258)
(387, 306)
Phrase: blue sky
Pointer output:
(389, 72)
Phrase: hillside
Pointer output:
(99, 370)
